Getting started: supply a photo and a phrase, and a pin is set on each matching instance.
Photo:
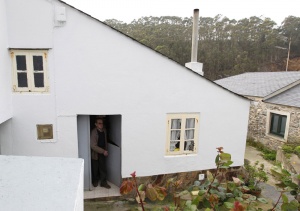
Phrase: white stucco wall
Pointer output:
(96, 70)
(6, 139)
(39, 183)
(30, 23)
(5, 72)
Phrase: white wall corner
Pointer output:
(196, 67)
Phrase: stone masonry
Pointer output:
(258, 123)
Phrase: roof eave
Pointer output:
(281, 90)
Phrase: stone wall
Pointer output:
(258, 123)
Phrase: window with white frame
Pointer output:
(182, 133)
(278, 124)
(29, 70)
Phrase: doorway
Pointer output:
(85, 123)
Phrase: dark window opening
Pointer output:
(22, 80)
(21, 62)
(37, 63)
(278, 123)
(39, 79)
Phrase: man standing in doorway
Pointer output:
(99, 154)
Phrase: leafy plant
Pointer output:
(216, 193)
(287, 149)
(288, 185)
(256, 174)
(297, 150)
(150, 191)
(290, 149)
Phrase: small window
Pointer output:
(278, 124)
(182, 134)
(29, 70)
(44, 132)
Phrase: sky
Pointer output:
(128, 10)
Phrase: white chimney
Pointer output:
(194, 65)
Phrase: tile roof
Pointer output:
(290, 97)
(259, 84)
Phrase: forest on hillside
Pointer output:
(226, 46)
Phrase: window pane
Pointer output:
(189, 134)
(37, 63)
(22, 80)
(39, 79)
(176, 124)
(190, 123)
(175, 135)
(189, 145)
(282, 126)
(274, 124)
(174, 146)
(21, 62)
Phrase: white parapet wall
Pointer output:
(41, 183)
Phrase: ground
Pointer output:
(269, 189)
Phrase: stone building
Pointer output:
(275, 108)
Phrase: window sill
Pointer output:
(180, 155)
(47, 141)
(282, 139)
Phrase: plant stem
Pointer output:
(215, 175)
(141, 201)
(277, 202)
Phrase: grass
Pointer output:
(266, 153)
(290, 149)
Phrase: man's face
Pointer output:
(99, 124)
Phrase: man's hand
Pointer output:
(105, 153)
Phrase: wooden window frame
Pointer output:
(30, 70)
(183, 117)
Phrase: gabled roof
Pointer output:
(260, 84)
(235, 93)
(291, 97)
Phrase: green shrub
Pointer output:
(297, 150)
(287, 149)
(270, 156)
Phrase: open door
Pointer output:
(113, 164)
(84, 152)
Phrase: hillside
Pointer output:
(226, 46)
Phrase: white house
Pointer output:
(61, 67)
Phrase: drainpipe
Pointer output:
(194, 65)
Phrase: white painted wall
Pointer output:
(96, 70)
(112, 74)
(5, 73)
(30, 23)
(6, 139)
(39, 183)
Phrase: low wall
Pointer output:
(41, 183)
